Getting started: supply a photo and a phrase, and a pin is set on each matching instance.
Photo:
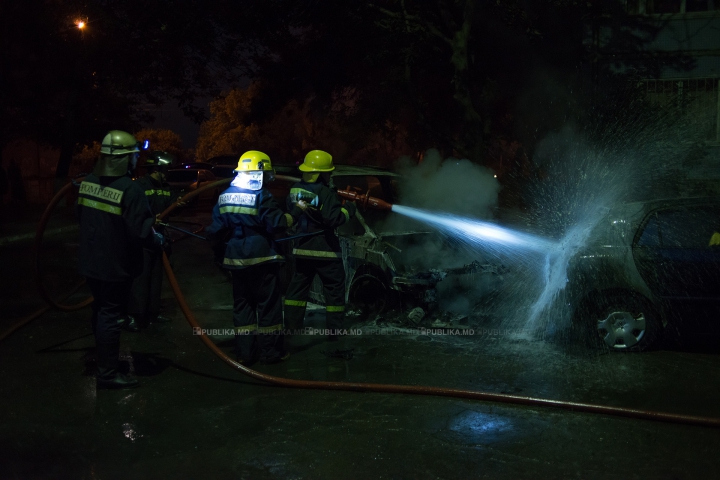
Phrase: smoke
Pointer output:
(455, 186)
(451, 186)
(580, 176)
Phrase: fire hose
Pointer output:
(364, 200)
(352, 386)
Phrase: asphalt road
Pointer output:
(193, 417)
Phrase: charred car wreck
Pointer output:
(380, 273)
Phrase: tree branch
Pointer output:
(417, 21)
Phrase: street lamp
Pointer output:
(80, 24)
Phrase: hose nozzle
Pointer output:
(365, 200)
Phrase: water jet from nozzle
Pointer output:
(477, 232)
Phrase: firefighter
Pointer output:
(115, 224)
(248, 214)
(144, 304)
(319, 254)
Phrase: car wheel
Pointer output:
(368, 293)
(625, 323)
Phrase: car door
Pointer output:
(674, 256)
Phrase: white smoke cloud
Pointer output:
(455, 186)
(452, 186)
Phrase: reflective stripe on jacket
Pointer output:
(158, 194)
(251, 218)
(325, 213)
(115, 223)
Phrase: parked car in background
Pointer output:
(186, 180)
(196, 166)
(224, 160)
(224, 171)
(223, 166)
(649, 266)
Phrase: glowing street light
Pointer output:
(80, 24)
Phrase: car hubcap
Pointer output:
(621, 330)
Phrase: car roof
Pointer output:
(197, 165)
(344, 170)
(189, 170)
(224, 160)
(632, 209)
(622, 220)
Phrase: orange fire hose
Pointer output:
(373, 387)
(39, 233)
(364, 200)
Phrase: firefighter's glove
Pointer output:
(218, 245)
(297, 212)
(303, 197)
(351, 208)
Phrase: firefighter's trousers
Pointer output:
(109, 309)
(146, 290)
(257, 313)
(332, 276)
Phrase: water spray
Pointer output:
(347, 386)
(501, 241)
(469, 230)
(478, 232)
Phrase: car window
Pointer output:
(650, 236)
(686, 227)
(181, 176)
(225, 160)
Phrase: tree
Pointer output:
(64, 86)
(165, 140)
(451, 72)
(445, 74)
(287, 135)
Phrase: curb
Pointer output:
(31, 236)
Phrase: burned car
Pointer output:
(379, 270)
(649, 267)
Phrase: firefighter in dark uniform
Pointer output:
(248, 214)
(115, 224)
(319, 254)
(144, 305)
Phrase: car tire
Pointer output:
(369, 294)
(624, 322)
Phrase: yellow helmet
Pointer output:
(317, 161)
(253, 161)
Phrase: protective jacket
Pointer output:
(158, 194)
(115, 224)
(325, 213)
(250, 218)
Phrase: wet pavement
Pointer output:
(193, 417)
